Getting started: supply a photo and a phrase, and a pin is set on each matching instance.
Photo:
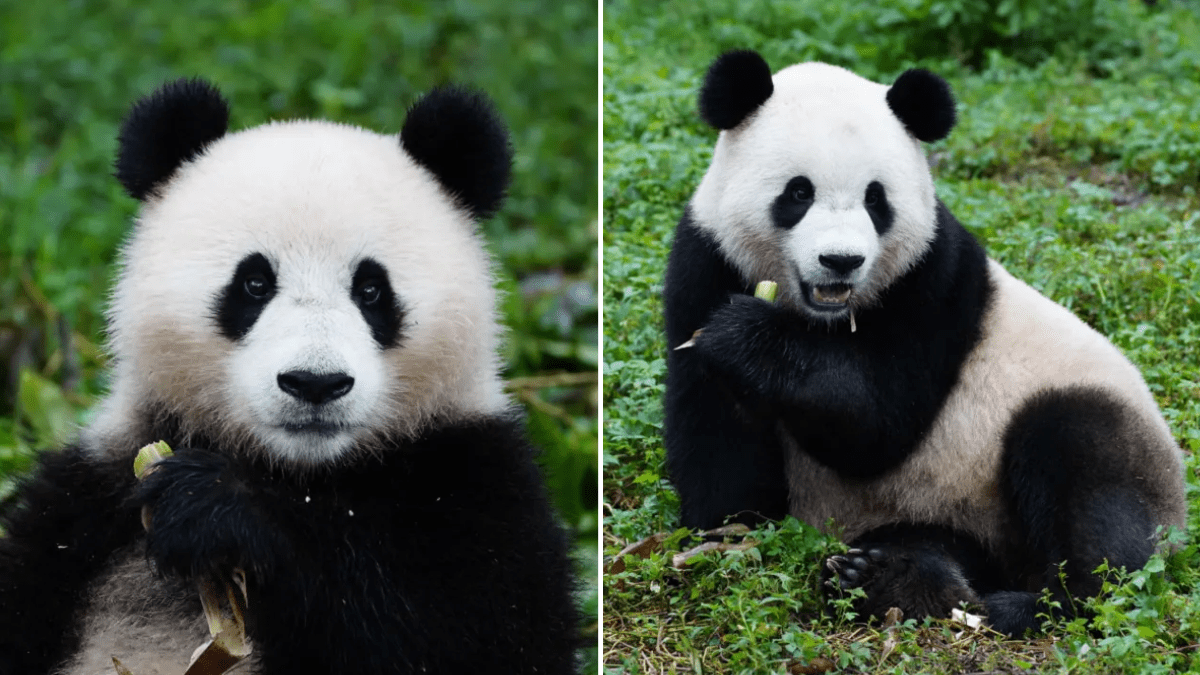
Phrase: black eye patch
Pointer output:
(244, 297)
(371, 291)
(790, 206)
(876, 203)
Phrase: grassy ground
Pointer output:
(68, 72)
(1076, 163)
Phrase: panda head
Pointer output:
(818, 180)
(304, 288)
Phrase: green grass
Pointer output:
(69, 71)
(1076, 162)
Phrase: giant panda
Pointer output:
(305, 312)
(962, 432)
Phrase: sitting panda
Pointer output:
(964, 433)
(305, 313)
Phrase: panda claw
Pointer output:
(854, 551)
(834, 565)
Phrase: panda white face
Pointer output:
(822, 189)
(307, 370)
(302, 289)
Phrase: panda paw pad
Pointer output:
(852, 569)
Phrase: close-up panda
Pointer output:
(964, 434)
(305, 313)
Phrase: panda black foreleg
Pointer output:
(60, 529)
(922, 570)
(723, 455)
(1070, 482)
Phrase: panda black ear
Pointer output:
(171, 126)
(923, 103)
(457, 135)
(737, 83)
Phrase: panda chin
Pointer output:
(309, 441)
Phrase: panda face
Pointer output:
(832, 243)
(309, 347)
(302, 289)
(822, 189)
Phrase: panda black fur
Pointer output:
(965, 433)
(306, 313)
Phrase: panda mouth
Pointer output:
(829, 296)
(313, 427)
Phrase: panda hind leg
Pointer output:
(922, 570)
(1068, 478)
(1065, 570)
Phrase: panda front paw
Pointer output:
(744, 315)
(751, 341)
(202, 519)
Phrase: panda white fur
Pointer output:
(306, 313)
(965, 433)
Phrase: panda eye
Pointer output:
(799, 190)
(874, 194)
(382, 310)
(370, 293)
(257, 287)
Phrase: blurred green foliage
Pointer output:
(69, 70)
(881, 38)
(1076, 161)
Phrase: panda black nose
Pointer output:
(314, 388)
(842, 264)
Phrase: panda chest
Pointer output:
(951, 478)
(150, 624)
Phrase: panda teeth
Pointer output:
(829, 295)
